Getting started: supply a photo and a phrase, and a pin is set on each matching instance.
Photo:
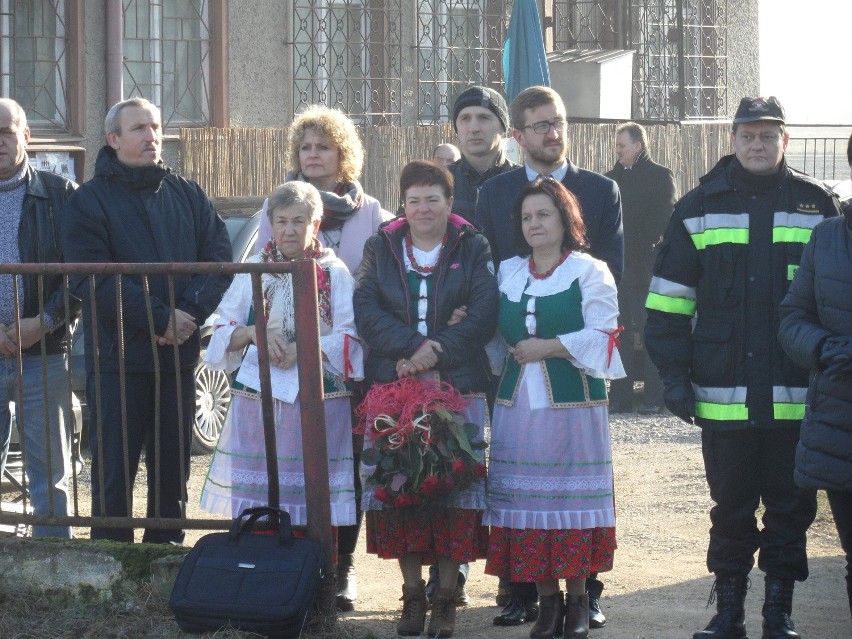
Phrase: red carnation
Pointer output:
(459, 467)
(448, 483)
(479, 471)
(402, 501)
(430, 486)
(382, 495)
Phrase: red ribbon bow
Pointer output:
(612, 343)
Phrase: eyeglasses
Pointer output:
(543, 127)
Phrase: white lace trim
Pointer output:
(551, 484)
(258, 478)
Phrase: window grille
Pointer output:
(681, 68)
(33, 55)
(459, 43)
(166, 58)
(680, 64)
(347, 55)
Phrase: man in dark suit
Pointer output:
(648, 194)
(540, 123)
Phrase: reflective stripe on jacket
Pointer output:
(724, 266)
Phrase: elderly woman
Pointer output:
(237, 478)
(324, 149)
(416, 272)
(551, 508)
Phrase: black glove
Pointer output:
(679, 398)
(836, 358)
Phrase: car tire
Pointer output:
(212, 398)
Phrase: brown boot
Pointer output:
(414, 606)
(442, 623)
(577, 616)
(550, 616)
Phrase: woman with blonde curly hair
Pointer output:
(324, 149)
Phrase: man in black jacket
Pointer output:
(725, 264)
(648, 194)
(481, 119)
(136, 210)
(30, 204)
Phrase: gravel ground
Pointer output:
(659, 586)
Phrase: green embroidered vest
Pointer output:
(555, 315)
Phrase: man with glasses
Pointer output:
(539, 119)
(723, 268)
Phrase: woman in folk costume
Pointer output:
(324, 149)
(237, 477)
(550, 484)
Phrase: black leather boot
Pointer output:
(551, 614)
(777, 608)
(347, 586)
(576, 616)
(729, 620)
(594, 588)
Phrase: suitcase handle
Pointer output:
(276, 516)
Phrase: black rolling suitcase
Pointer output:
(262, 582)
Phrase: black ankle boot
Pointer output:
(550, 617)
(594, 588)
(347, 587)
(777, 608)
(729, 620)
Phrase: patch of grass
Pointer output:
(140, 616)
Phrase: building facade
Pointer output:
(385, 63)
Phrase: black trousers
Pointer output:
(744, 468)
(841, 508)
(632, 315)
(166, 490)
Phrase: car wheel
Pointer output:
(212, 397)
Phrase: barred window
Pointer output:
(347, 55)
(167, 58)
(34, 42)
(680, 65)
(459, 43)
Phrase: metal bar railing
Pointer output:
(87, 277)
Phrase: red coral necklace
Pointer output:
(409, 250)
(549, 272)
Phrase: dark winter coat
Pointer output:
(148, 214)
(38, 241)
(648, 195)
(383, 305)
(467, 182)
(819, 305)
(725, 263)
(600, 205)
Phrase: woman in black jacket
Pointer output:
(816, 332)
(416, 272)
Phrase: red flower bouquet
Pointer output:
(423, 450)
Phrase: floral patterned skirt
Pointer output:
(451, 533)
(531, 554)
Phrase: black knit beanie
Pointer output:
(482, 97)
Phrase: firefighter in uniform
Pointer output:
(725, 263)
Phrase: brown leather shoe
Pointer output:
(414, 606)
(442, 623)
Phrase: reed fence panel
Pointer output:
(238, 162)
